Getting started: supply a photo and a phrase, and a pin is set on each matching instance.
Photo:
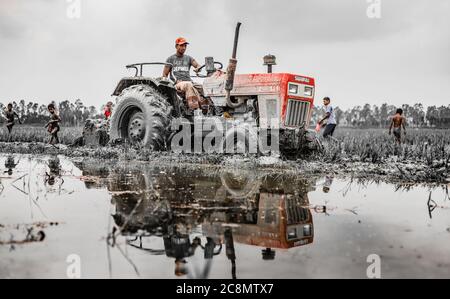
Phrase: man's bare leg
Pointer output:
(55, 136)
(9, 133)
(191, 93)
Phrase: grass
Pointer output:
(24, 133)
(375, 145)
(371, 145)
(424, 157)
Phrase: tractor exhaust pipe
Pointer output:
(231, 71)
(236, 40)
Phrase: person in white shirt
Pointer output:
(329, 117)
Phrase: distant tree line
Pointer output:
(72, 113)
(373, 116)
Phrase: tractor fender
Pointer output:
(130, 81)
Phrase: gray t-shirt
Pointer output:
(332, 119)
(181, 66)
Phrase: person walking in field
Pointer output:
(398, 122)
(10, 115)
(330, 119)
(53, 125)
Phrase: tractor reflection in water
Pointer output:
(208, 210)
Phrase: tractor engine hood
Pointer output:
(245, 84)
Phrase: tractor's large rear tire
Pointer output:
(142, 117)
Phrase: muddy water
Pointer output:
(62, 218)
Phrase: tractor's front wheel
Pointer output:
(313, 143)
(142, 117)
(304, 144)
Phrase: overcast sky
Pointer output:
(402, 57)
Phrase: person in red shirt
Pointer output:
(108, 110)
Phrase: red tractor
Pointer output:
(254, 113)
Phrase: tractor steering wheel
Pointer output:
(200, 69)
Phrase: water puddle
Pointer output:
(136, 219)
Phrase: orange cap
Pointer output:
(181, 41)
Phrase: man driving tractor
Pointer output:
(181, 67)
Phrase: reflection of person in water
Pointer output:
(328, 182)
(54, 171)
(230, 251)
(179, 246)
(268, 254)
(10, 165)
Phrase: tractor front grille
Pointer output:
(295, 212)
(296, 113)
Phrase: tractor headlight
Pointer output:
(308, 91)
(293, 89)
(307, 230)
(292, 233)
